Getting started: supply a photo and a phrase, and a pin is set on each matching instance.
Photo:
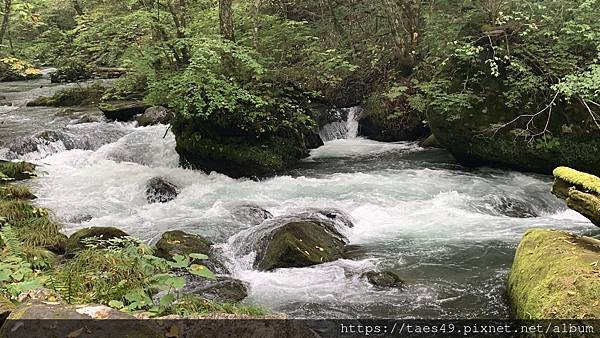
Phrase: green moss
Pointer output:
(555, 275)
(74, 96)
(588, 182)
(178, 242)
(17, 170)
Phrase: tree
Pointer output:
(5, 19)
(226, 19)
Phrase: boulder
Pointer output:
(159, 190)
(300, 244)
(177, 242)
(71, 96)
(122, 110)
(580, 190)
(487, 128)
(222, 289)
(155, 115)
(75, 242)
(54, 319)
(250, 214)
(353, 252)
(384, 279)
(555, 276)
(13, 69)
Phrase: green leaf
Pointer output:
(116, 304)
(198, 256)
(202, 271)
(4, 276)
(179, 262)
(167, 299)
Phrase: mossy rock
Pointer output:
(16, 170)
(384, 279)
(580, 190)
(555, 275)
(155, 115)
(177, 242)
(13, 69)
(300, 244)
(583, 181)
(75, 241)
(122, 110)
(68, 97)
(430, 142)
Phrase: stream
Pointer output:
(450, 232)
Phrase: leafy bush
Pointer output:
(13, 69)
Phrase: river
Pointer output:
(449, 231)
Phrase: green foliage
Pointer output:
(12, 69)
(16, 170)
(17, 274)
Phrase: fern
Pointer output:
(63, 288)
(11, 241)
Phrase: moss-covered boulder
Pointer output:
(300, 244)
(384, 279)
(72, 96)
(13, 69)
(16, 170)
(122, 110)
(177, 242)
(555, 275)
(76, 241)
(240, 156)
(430, 142)
(580, 190)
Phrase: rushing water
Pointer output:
(450, 232)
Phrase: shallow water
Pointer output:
(450, 232)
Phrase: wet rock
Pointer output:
(155, 115)
(384, 279)
(87, 119)
(300, 244)
(430, 142)
(514, 208)
(159, 190)
(223, 289)
(79, 218)
(250, 214)
(353, 252)
(177, 242)
(122, 110)
(72, 96)
(76, 241)
(337, 216)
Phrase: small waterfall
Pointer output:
(343, 124)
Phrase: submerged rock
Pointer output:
(155, 115)
(159, 190)
(222, 289)
(555, 276)
(177, 242)
(384, 279)
(300, 244)
(76, 240)
(122, 110)
(250, 214)
(507, 206)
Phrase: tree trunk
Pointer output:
(226, 19)
(77, 7)
(5, 19)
